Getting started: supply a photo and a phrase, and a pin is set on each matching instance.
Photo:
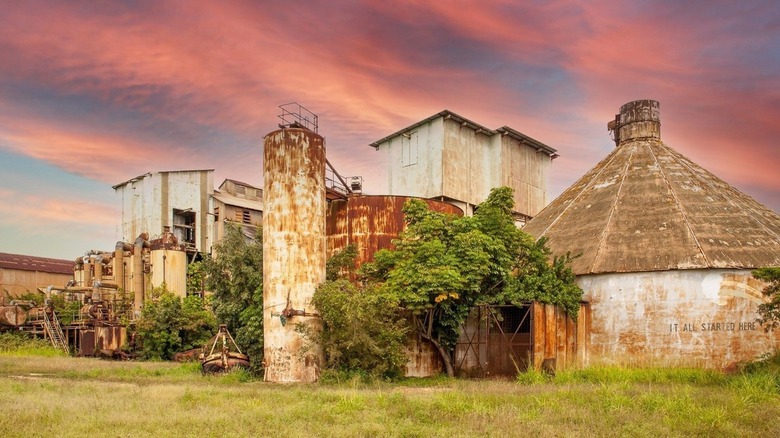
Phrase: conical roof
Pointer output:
(646, 207)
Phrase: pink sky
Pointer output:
(95, 93)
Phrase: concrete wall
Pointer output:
(17, 282)
(685, 317)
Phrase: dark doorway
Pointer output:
(495, 341)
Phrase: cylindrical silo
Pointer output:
(293, 253)
(371, 223)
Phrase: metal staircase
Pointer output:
(53, 329)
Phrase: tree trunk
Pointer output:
(425, 331)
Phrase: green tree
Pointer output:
(235, 276)
(770, 311)
(445, 265)
(362, 330)
(169, 324)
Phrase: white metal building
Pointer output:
(451, 158)
(179, 199)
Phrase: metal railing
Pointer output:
(294, 115)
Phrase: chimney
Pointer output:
(638, 120)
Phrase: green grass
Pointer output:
(19, 344)
(61, 396)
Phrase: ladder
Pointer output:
(53, 329)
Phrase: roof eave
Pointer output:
(445, 114)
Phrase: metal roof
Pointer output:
(646, 207)
(32, 263)
(239, 183)
(228, 199)
(449, 115)
(140, 177)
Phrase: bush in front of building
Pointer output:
(169, 324)
(769, 312)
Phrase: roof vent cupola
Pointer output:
(637, 120)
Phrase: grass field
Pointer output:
(50, 395)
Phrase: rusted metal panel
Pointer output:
(86, 342)
(293, 252)
(12, 316)
(470, 356)
(109, 337)
(370, 222)
(538, 334)
(701, 318)
(561, 333)
(423, 358)
(571, 341)
(495, 341)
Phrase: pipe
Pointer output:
(106, 285)
(138, 271)
(98, 262)
(119, 263)
(87, 279)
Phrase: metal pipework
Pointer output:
(119, 263)
(138, 271)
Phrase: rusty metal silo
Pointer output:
(293, 252)
(371, 222)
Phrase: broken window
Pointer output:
(184, 226)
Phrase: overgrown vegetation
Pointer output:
(18, 343)
(169, 324)
(57, 396)
(769, 313)
(66, 311)
(235, 276)
(444, 265)
(363, 332)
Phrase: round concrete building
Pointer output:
(666, 253)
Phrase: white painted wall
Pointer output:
(418, 173)
(690, 317)
(143, 209)
(459, 163)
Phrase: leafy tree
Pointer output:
(196, 278)
(362, 331)
(169, 324)
(445, 265)
(66, 310)
(341, 263)
(770, 311)
(235, 276)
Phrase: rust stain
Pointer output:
(293, 247)
(371, 223)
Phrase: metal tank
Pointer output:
(169, 263)
(293, 253)
(371, 223)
